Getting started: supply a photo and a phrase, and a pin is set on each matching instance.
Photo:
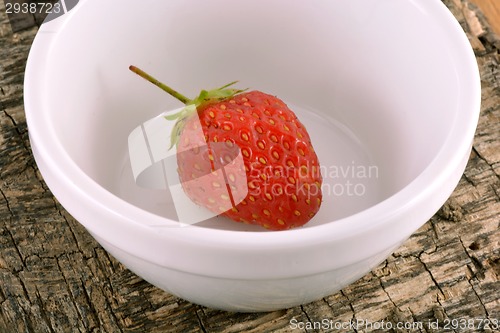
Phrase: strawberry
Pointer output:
(281, 186)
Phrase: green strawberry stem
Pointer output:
(205, 97)
(161, 85)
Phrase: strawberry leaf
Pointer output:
(180, 118)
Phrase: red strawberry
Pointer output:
(278, 183)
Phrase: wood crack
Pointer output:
(6, 202)
(434, 281)
(475, 150)
(351, 306)
(478, 263)
(309, 320)
(92, 313)
(43, 314)
(200, 320)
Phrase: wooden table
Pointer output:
(55, 278)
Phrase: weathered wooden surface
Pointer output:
(491, 8)
(55, 278)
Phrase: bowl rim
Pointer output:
(456, 146)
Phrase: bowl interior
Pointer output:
(374, 82)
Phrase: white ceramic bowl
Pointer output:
(389, 91)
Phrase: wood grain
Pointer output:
(491, 10)
(54, 277)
